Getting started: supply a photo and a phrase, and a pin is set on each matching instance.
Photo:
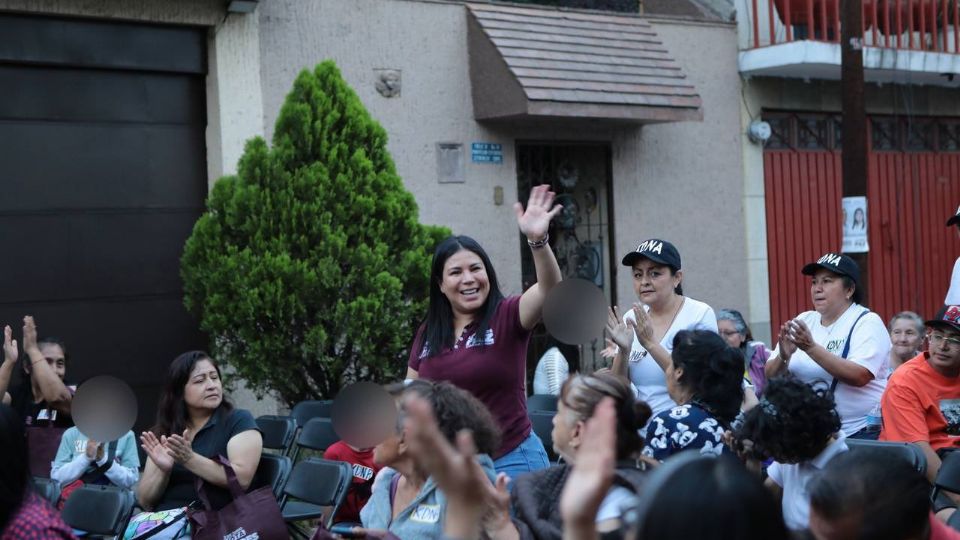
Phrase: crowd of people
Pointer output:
(695, 430)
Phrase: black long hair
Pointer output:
(712, 370)
(438, 324)
(14, 475)
(172, 415)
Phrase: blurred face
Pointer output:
(389, 451)
(653, 283)
(729, 333)
(204, 389)
(55, 359)
(464, 282)
(945, 351)
(906, 339)
(565, 434)
(829, 295)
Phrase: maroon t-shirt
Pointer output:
(493, 369)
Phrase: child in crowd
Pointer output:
(364, 471)
(82, 461)
(798, 426)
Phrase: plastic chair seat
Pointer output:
(298, 510)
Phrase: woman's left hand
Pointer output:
(180, 447)
(642, 325)
(534, 222)
(800, 335)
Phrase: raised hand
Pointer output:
(29, 335)
(643, 325)
(180, 447)
(534, 222)
(94, 450)
(10, 351)
(593, 472)
(156, 451)
(620, 332)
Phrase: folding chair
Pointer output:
(896, 450)
(317, 434)
(273, 471)
(542, 402)
(99, 510)
(48, 489)
(305, 410)
(317, 483)
(542, 422)
(278, 432)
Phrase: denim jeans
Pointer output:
(870, 433)
(528, 456)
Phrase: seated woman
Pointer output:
(798, 426)
(705, 379)
(405, 500)
(195, 424)
(535, 498)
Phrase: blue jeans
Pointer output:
(528, 456)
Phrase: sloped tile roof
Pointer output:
(577, 58)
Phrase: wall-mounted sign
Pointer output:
(855, 225)
(483, 152)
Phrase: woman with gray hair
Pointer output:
(734, 330)
(906, 333)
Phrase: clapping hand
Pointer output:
(30, 335)
(534, 222)
(786, 344)
(180, 447)
(621, 334)
(10, 351)
(642, 325)
(156, 451)
(799, 333)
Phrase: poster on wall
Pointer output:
(855, 225)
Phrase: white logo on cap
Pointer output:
(651, 245)
(830, 258)
(958, 210)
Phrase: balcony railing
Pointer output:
(918, 25)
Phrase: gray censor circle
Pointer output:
(364, 415)
(575, 311)
(104, 408)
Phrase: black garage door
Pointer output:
(102, 175)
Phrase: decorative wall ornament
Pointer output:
(388, 82)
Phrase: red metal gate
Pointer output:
(913, 186)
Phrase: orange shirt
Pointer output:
(921, 405)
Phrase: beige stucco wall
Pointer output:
(678, 181)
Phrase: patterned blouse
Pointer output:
(36, 520)
(684, 427)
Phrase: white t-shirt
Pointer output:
(953, 293)
(645, 372)
(869, 347)
(793, 478)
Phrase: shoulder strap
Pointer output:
(846, 348)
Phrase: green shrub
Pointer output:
(309, 268)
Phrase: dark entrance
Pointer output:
(581, 235)
(103, 175)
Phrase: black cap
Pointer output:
(658, 251)
(954, 219)
(947, 317)
(836, 263)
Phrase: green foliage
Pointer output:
(309, 268)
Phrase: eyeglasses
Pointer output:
(937, 339)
